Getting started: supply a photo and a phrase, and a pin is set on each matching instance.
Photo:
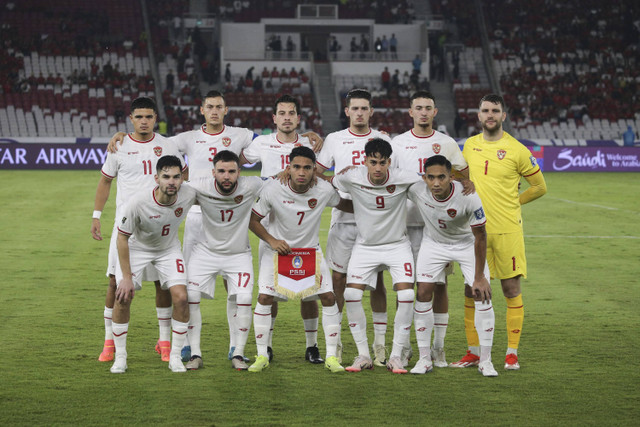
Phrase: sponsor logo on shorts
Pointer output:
(428, 276)
(421, 329)
(157, 151)
(452, 213)
(238, 199)
(501, 154)
(335, 334)
(178, 212)
(226, 141)
(436, 148)
(313, 203)
(352, 325)
(258, 336)
(194, 283)
(479, 213)
(244, 329)
(515, 331)
(391, 188)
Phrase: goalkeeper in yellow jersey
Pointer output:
(497, 161)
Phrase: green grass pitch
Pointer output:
(578, 350)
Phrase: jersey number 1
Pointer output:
(148, 170)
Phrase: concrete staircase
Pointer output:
(326, 94)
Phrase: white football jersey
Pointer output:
(380, 210)
(134, 164)
(273, 154)
(200, 147)
(226, 216)
(342, 149)
(295, 217)
(448, 221)
(410, 152)
(152, 226)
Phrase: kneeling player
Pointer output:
(148, 235)
(454, 232)
(295, 211)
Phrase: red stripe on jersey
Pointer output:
(479, 225)
(179, 333)
(106, 175)
(487, 309)
(254, 211)
(293, 142)
(453, 189)
(142, 142)
(520, 306)
(123, 232)
(119, 335)
(464, 168)
(385, 181)
(532, 173)
(433, 132)
(212, 134)
(160, 204)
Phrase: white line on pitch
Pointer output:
(593, 205)
(582, 237)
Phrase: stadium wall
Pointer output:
(90, 153)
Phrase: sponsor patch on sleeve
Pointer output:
(533, 161)
(479, 213)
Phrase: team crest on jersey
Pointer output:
(391, 188)
(501, 154)
(226, 141)
(436, 148)
(296, 262)
(157, 151)
(452, 213)
(313, 203)
(238, 199)
(178, 212)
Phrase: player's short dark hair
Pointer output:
(226, 156)
(378, 146)
(143, 102)
(214, 94)
(358, 94)
(287, 99)
(495, 99)
(302, 152)
(437, 160)
(168, 162)
(422, 94)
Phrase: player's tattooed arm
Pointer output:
(115, 140)
(258, 229)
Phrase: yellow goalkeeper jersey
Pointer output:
(495, 167)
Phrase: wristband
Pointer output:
(97, 214)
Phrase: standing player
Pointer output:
(453, 231)
(343, 149)
(148, 235)
(497, 161)
(134, 167)
(410, 152)
(273, 151)
(296, 212)
(226, 202)
(379, 200)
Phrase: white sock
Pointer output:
(484, 320)
(440, 323)
(195, 322)
(179, 331)
(232, 309)
(120, 332)
(340, 328)
(402, 321)
(164, 322)
(357, 320)
(261, 325)
(242, 322)
(379, 327)
(475, 350)
(331, 328)
(108, 332)
(272, 325)
(311, 331)
(423, 321)
(512, 351)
